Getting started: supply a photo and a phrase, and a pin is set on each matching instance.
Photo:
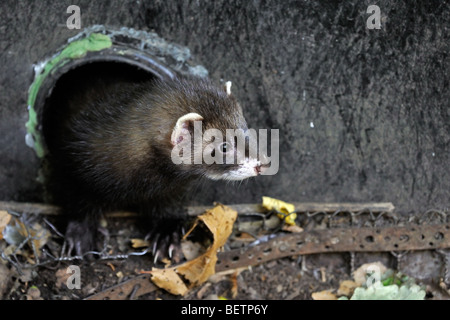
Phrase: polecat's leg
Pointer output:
(82, 229)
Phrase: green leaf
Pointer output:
(391, 292)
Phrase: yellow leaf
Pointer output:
(284, 210)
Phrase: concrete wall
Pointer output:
(363, 113)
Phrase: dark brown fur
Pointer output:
(110, 149)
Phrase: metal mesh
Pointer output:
(25, 253)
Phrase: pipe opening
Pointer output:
(73, 92)
(82, 86)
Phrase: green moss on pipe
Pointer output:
(74, 50)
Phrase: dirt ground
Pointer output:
(292, 278)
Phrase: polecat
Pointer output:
(112, 149)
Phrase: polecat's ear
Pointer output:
(184, 127)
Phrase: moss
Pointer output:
(74, 50)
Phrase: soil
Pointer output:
(292, 278)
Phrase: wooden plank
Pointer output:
(47, 209)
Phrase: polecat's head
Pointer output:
(212, 137)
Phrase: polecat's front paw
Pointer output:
(165, 241)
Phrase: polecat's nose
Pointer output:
(259, 169)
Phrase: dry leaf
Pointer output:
(5, 217)
(109, 264)
(244, 236)
(191, 250)
(39, 235)
(119, 276)
(284, 210)
(139, 243)
(360, 274)
(219, 222)
(292, 229)
(34, 293)
(234, 284)
(323, 274)
(346, 288)
(169, 280)
(203, 290)
(61, 277)
(323, 295)
(16, 232)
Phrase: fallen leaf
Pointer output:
(169, 280)
(39, 235)
(203, 290)
(360, 274)
(191, 250)
(61, 277)
(346, 288)
(234, 284)
(292, 228)
(17, 231)
(5, 217)
(139, 243)
(109, 264)
(167, 262)
(323, 274)
(323, 295)
(244, 236)
(34, 293)
(119, 276)
(284, 210)
(223, 275)
(219, 222)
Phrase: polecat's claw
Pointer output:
(171, 248)
(166, 244)
(75, 246)
(155, 259)
(155, 244)
(70, 245)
